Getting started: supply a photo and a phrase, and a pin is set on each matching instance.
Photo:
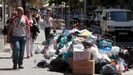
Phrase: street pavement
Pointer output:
(1, 40)
(29, 64)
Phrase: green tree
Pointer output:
(56, 2)
(5, 1)
(70, 2)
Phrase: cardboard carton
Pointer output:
(81, 55)
(84, 67)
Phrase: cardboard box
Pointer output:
(84, 67)
(81, 56)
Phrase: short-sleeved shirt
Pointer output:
(19, 27)
(49, 22)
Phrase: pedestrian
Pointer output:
(34, 30)
(37, 16)
(49, 23)
(77, 25)
(10, 29)
(21, 30)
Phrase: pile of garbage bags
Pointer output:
(60, 48)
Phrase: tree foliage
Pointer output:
(5, 1)
(105, 3)
(58, 2)
(72, 3)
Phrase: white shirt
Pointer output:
(48, 22)
(19, 27)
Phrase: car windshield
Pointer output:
(120, 16)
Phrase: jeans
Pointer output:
(19, 48)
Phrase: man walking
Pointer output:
(21, 30)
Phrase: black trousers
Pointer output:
(47, 32)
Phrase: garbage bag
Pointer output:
(109, 69)
(42, 64)
(85, 33)
(39, 49)
(105, 47)
(58, 65)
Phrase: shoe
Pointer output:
(31, 55)
(14, 66)
(20, 67)
(28, 56)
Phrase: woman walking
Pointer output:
(49, 23)
(34, 30)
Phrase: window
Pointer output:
(120, 16)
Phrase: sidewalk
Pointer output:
(29, 65)
(1, 40)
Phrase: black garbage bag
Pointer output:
(99, 66)
(42, 64)
(109, 69)
(58, 65)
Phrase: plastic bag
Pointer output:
(109, 69)
(39, 49)
(50, 52)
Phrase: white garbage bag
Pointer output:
(50, 52)
(39, 49)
